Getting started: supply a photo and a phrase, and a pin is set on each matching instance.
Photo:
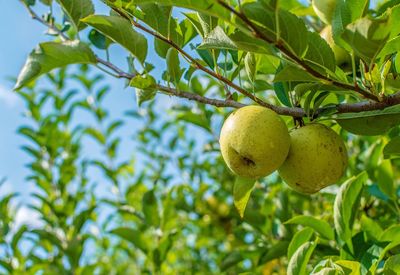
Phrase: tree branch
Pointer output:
(259, 34)
(197, 64)
(289, 111)
(199, 98)
(365, 106)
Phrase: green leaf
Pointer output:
(298, 263)
(250, 64)
(370, 123)
(50, 236)
(206, 56)
(341, 18)
(274, 252)
(319, 54)
(292, 73)
(367, 37)
(392, 110)
(241, 193)
(133, 236)
(195, 21)
(143, 95)
(160, 19)
(142, 81)
(299, 239)
(207, 23)
(157, 17)
(282, 93)
(357, 8)
(392, 265)
(120, 31)
(17, 237)
(267, 64)
(248, 43)
(188, 31)
(370, 258)
(320, 226)
(217, 39)
(392, 46)
(392, 149)
(385, 178)
(46, 2)
(173, 65)
(99, 40)
(293, 39)
(196, 119)
(350, 267)
(76, 10)
(6, 265)
(205, 6)
(150, 208)
(371, 228)
(346, 205)
(161, 48)
(166, 244)
(51, 55)
(397, 66)
(282, 89)
(231, 260)
(390, 234)
(96, 134)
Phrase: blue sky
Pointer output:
(20, 35)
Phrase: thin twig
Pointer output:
(44, 22)
(199, 98)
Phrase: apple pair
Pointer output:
(255, 142)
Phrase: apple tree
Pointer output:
(302, 179)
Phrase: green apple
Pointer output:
(317, 158)
(217, 207)
(324, 9)
(341, 55)
(254, 142)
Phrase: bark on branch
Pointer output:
(288, 111)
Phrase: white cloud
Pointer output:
(6, 187)
(26, 215)
(8, 97)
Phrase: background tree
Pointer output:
(178, 210)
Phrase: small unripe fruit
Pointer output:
(254, 142)
(341, 56)
(317, 158)
(324, 9)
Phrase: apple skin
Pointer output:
(324, 9)
(341, 56)
(317, 158)
(254, 142)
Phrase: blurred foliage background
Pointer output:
(167, 206)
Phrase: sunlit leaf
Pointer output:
(120, 31)
(346, 206)
(241, 193)
(51, 55)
